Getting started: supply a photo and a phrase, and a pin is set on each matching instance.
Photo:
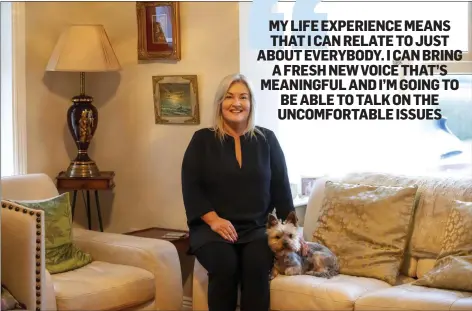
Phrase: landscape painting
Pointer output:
(176, 99)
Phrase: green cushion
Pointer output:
(61, 254)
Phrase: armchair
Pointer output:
(127, 272)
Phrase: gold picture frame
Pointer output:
(176, 99)
(158, 30)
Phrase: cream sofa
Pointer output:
(127, 272)
(346, 292)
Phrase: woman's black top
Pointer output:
(212, 180)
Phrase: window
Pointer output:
(6, 91)
(455, 134)
(314, 148)
(13, 114)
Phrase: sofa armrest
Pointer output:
(23, 257)
(159, 257)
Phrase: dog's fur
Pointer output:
(284, 241)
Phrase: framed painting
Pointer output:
(176, 99)
(158, 30)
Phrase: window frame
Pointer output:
(18, 85)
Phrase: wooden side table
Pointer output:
(103, 182)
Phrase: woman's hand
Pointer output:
(304, 246)
(221, 226)
(224, 228)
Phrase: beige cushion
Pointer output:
(423, 266)
(367, 227)
(303, 292)
(409, 266)
(103, 286)
(433, 205)
(453, 267)
(410, 297)
(315, 202)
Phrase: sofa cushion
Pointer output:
(303, 292)
(453, 267)
(367, 227)
(433, 208)
(103, 286)
(60, 252)
(315, 201)
(423, 266)
(411, 297)
(409, 265)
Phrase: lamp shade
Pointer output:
(83, 48)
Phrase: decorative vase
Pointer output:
(82, 118)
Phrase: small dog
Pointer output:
(284, 241)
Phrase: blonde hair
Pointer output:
(225, 84)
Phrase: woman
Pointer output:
(233, 176)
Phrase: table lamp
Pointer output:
(83, 48)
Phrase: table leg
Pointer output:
(89, 216)
(74, 198)
(97, 203)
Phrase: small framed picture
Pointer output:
(158, 30)
(176, 99)
(307, 185)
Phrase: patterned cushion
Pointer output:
(367, 227)
(60, 252)
(435, 196)
(9, 302)
(453, 267)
